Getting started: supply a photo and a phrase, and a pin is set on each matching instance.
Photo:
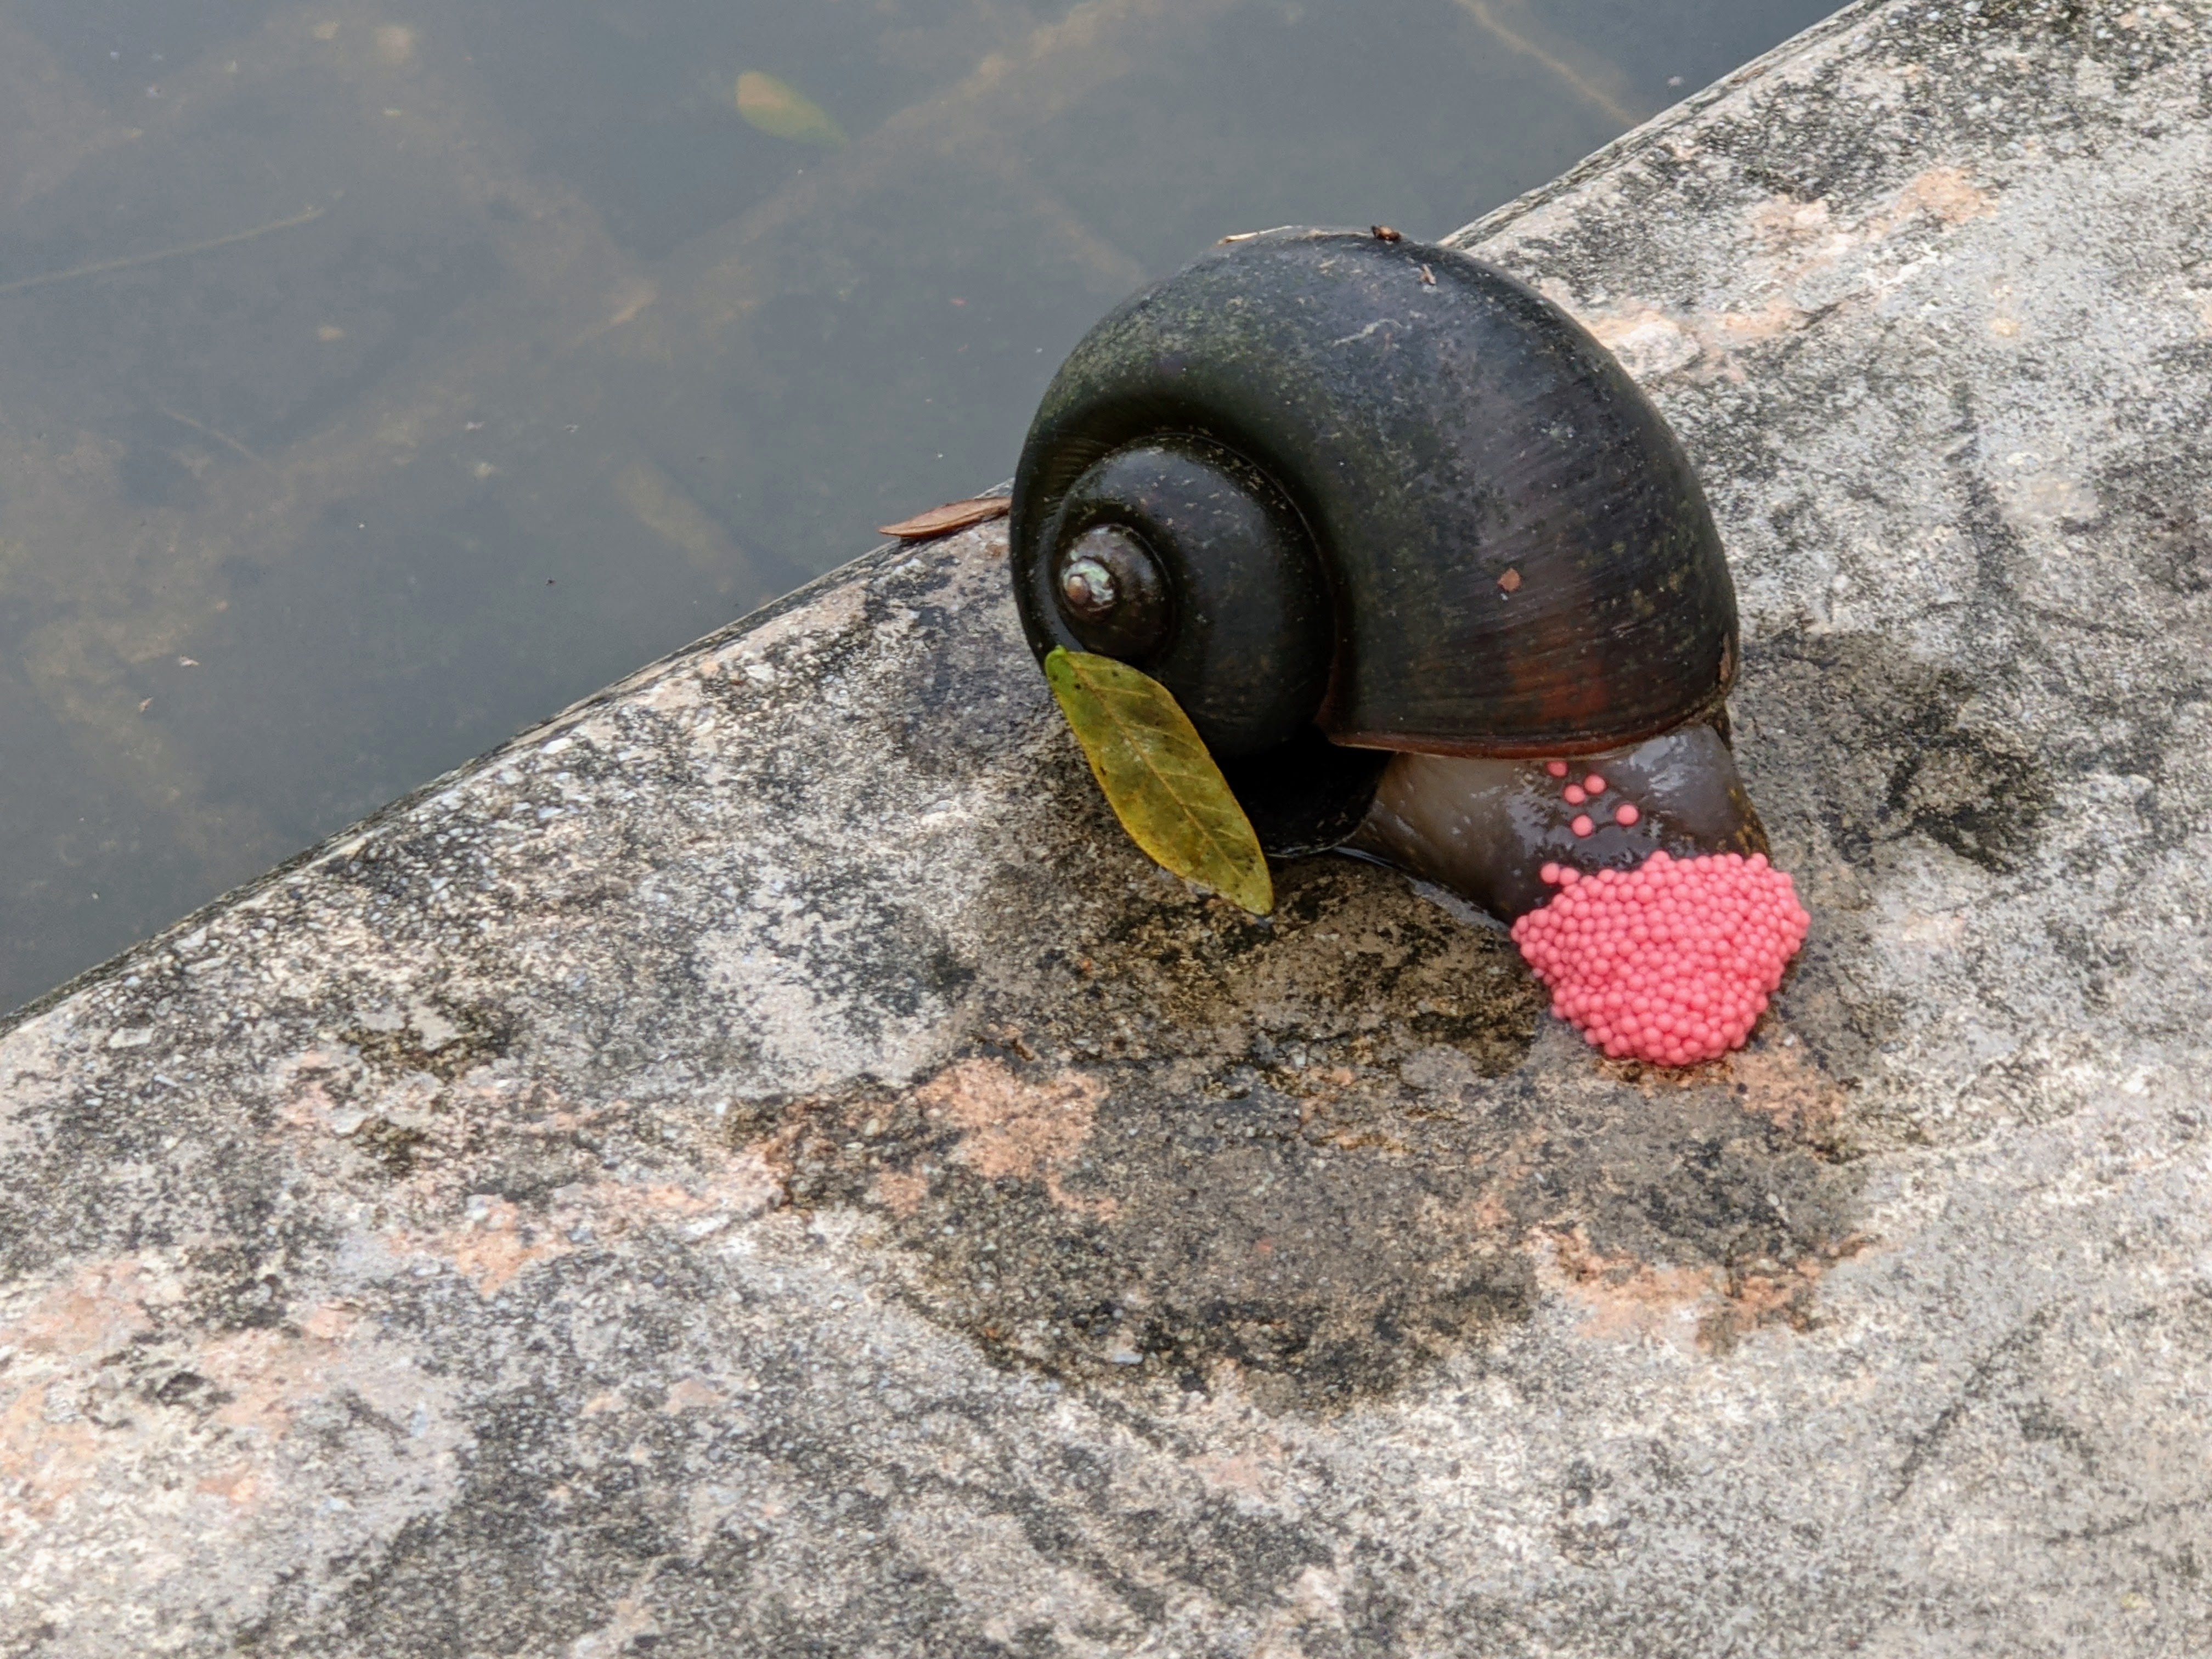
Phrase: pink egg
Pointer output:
(1671, 964)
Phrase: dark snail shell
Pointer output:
(1325, 486)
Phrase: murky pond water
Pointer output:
(374, 380)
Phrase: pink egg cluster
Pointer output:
(1672, 962)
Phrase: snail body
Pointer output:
(1406, 545)
(1488, 829)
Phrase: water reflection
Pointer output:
(375, 381)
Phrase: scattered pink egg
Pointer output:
(1595, 784)
(1556, 768)
(1574, 795)
(1581, 826)
(1625, 814)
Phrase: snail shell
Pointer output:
(1342, 493)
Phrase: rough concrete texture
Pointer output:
(760, 1166)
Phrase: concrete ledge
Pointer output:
(759, 1162)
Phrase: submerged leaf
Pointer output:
(782, 111)
(1158, 778)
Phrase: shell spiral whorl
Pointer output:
(1466, 524)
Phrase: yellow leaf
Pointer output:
(1158, 779)
(782, 111)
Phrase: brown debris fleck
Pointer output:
(944, 521)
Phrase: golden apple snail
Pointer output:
(1435, 585)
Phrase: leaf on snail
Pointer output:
(782, 111)
(944, 521)
(1158, 777)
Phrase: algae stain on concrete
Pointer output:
(1315, 1155)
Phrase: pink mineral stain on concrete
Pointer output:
(238, 1486)
(41, 1463)
(692, 1394)
(495, 1241)
(1799, 238)
(47, 1451)
(70, 1421)
(1248, 1473)
(1618, 1297)
(101, 1306)
(899, 1192)
(1787, 1085)
(495, 1244)
(1947, 193)
(333, 1322)
(1015, 1127)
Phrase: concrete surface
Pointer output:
(759, 1165)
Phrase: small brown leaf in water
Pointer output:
(782, 111)
(1511, 581)
(1384, 234)
(944, 521)
(1428, 277)
(1158, 778)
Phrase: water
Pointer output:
(375, 381)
